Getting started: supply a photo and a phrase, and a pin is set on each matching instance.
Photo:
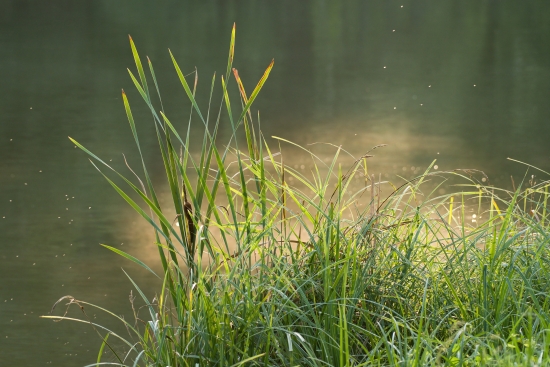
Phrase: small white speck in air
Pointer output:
(31, 108)
(88, 277)
(355, 134)
(71, 244)
(384, 67)
(3, 217)
(177, 224)
(73, 197)
(25, 184)
(40, 171)
(474, 216)
(436, 167)
(110, 160)
(10, 201)
(63, 254)
(473, 220)
(393, 30)
(10, 140)
(66, 208)
(401, 5)
(90, 207)
(58, 217)
(75, 146)
(395, 108)
(62, 285)
(422, 104)
(429, 86)
(437, 152)
(55, 255)
(474, 85)
(34, 263)
(16, 255)
(483, 179)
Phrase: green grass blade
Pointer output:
(131, 258)
(139, 67)
(186, 88)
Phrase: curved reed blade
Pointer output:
(139, 67)
(256, 90)
(131, 258)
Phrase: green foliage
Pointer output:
(258, 271)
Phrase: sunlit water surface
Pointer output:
(463, 82)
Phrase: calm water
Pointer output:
(464, 82)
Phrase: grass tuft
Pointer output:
(258, 271)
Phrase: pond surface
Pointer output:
(463, 82)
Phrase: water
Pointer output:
(463, 82)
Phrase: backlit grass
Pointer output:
(258, 271)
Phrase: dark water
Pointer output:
(464, 82)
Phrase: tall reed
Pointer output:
(322, 273)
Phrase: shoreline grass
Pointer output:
(302, 275)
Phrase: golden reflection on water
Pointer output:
(406, 156)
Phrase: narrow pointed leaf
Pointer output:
(131, 258)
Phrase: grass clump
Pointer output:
(257, 271)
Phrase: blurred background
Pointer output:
(465, 82)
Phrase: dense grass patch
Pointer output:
(325, 273)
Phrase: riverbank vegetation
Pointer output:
(322, 271)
